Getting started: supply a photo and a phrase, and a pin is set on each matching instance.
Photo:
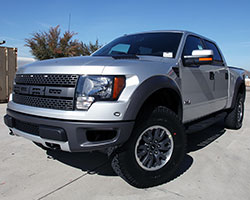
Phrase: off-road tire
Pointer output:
(125, 160)
(234, 118)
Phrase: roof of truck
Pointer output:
(173, 31)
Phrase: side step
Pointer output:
(204, 123)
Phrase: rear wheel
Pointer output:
(154, 152)
(234, 118)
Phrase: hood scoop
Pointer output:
(129, 56)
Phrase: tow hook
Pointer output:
(11, 133)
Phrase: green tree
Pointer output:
(90, 48)
(46, 45)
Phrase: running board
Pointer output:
(204, 123)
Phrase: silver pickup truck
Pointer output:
(136, 98)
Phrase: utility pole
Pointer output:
(69, 22)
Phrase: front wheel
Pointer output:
(154, 152)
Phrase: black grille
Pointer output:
(47, 79)
(55, 91)
(43, 102)
(26, 127)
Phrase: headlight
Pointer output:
(98, 88)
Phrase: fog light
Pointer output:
(83, 103)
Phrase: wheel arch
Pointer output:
(240, 88)
(157, 90)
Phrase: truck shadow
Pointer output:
(98, 163)
(90, 162)
(200, 139)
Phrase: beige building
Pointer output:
(8, 66)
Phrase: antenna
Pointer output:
(69, 22)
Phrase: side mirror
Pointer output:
(199, 57)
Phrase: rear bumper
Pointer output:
(73, 136)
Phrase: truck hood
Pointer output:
(72, 65)
(95, 65)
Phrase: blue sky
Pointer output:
(226, 22)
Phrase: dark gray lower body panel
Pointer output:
(76, 132)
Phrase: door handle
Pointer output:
(211, 75)
(226, 75)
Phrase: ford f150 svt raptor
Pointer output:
(136, 97)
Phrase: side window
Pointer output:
(192, 43)
(144, 51)
(210, 45)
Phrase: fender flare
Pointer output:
(145, 90)
(240, 81)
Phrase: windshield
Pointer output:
(151, 44)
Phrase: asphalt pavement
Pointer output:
(216, 167)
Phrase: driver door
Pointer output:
(197, 84)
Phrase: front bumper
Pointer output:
(73, 136)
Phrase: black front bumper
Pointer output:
(80, 135)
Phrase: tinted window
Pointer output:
(192, 43)
(210, 45)
(152, 44)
